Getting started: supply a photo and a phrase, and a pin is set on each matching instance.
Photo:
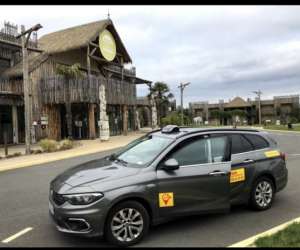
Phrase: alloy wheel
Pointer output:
(263, 194)
(127, 224)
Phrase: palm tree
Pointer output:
(162, 95)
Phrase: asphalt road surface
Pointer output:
(24, 203)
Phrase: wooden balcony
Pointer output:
(11, 87)
(58, 90)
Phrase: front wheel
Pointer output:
(262, 194)
(127, 224)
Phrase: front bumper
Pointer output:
(83, 220)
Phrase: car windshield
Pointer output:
(142, 151)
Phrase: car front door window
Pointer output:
(200, 151)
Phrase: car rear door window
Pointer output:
(257, 141)
(218, 148)
(239, 144)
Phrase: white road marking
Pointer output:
(24, 231)
(293, 154)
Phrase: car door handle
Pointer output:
(248, 161)
(216, 173)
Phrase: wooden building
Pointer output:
(64, 106)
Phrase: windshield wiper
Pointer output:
(121, 161)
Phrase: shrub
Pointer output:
(175, 119)
(48, 145)
(66, 144)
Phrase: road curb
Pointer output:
(250, 241)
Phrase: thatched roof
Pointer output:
(34, 61)
(68, 39)
(237, 102)
(79, 37)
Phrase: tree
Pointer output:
(162, 95)
(216, 114)
(295, 114)
(174, 118)
(237, 113)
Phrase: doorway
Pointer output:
(6, 123)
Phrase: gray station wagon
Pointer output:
(167, 173)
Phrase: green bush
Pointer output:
(293, 120)
(48, 145)
(66, 144)
(174, 119)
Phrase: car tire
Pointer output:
(127, 223)
(262, 194)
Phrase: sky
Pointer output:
(223, 51)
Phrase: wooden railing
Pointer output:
(58, 90)
(12, 87)
(143, 101)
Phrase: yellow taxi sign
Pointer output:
(272, 153)
(237, 175)
(166, 199)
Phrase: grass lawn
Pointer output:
(296, 127)
(288, 237)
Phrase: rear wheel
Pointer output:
(262, 194)
(127, 224)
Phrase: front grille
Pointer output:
(58, 198)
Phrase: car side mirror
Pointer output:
(170, 165)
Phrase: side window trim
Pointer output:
(210, 163)
(257, 150)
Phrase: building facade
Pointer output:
(79, 84)
(281, 108)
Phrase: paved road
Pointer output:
(24, 203)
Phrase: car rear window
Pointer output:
(257, 141)
(239, 144)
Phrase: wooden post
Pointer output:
(15, 124)
(69, 119)
(92, 128)
(125, 120)
(5, 141)
(26, 92)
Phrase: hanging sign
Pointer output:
(107, 45)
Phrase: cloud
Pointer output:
(222, 50)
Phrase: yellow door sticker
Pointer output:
(237, 175)
(272, 153)
(166, 199)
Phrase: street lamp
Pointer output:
(258, 93)
(25, 35)
(182, 86)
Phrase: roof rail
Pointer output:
(217, 129)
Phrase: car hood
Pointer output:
(86, 174)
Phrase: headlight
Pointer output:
(82, 199)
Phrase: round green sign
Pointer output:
(107, 45)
